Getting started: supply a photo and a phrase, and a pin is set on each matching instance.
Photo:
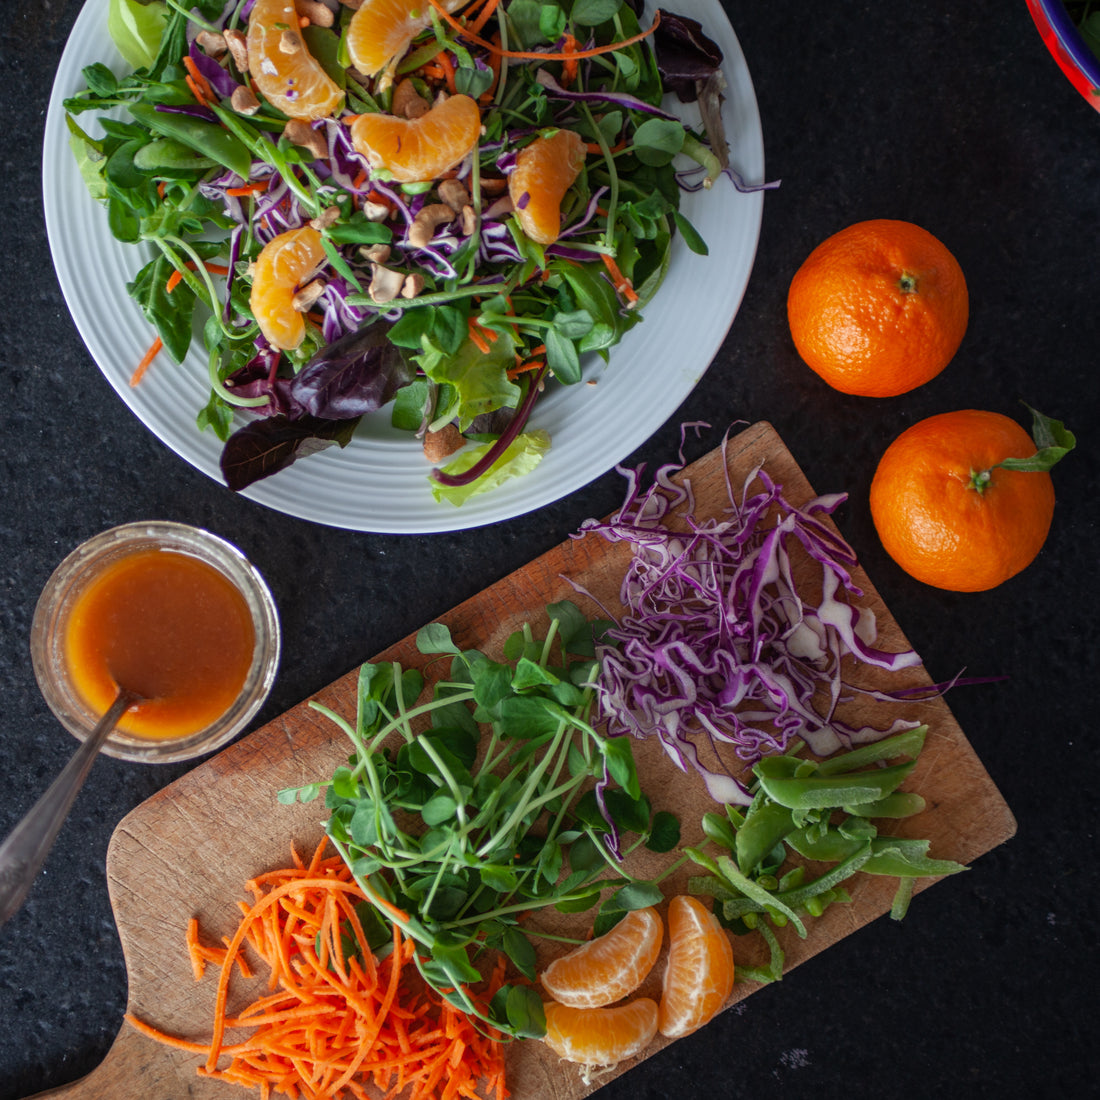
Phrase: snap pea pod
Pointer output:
(818, 792)
(206, 138)
(907, 743)
(820, 811)
(762, 831)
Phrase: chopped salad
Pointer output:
(371, 204)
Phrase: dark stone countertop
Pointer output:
(952, 116)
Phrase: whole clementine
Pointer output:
(948, 513)
(878, 308)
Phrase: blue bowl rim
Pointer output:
(1070, 37)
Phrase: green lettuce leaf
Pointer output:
(521, 457)
(136, 28)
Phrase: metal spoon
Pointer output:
(25, 850)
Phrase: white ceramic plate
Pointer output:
(379, 482)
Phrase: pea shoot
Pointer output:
(492, 798)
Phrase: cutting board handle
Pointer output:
(134, 1066)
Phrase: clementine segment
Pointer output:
(286, 74)
(414, 150)
(878, 308)
(600, 1036)
(382, 30)
(544, 171)
(284, 264)
(609, 967)
(700, 971)
(946, 515)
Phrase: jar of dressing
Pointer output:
(171, 612)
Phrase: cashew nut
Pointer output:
(454, 194)
(238, 49)
(412, 285)
(212, 43)
(385, 283)
(300, 132)
(318, 14)
(307, 295)
(375, 211)
(329, 216)
(379, 253)
(244, 101)
(425, 223)
(407, 101)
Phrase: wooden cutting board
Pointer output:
(188, 850)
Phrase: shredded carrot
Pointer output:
(594, 147)
(448, 68)
(621, 283)
(196, 90)
(523, 368)
(199, 85)
(486, 96)
(254, 188)
(176, 277)
(483, 16)
(337, 1022)
(476, 337)
(569, 69)
(536, 55)
(147, 359)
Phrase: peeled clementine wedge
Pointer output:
(413, 150)
(544, 171)
(382, 30)
(286, 74)
(699, 976)
(609, 967)
(600, 1036)
(284, 264)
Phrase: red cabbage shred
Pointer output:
(718, 646)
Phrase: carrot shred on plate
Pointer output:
(570, 56)
(337, 1021)
(146, 361)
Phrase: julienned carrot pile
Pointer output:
(338, 1022)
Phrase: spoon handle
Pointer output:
(26, 848)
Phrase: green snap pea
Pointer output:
(823, 791)
(906, 743)
(898, 804)
(170, 158)
(895, 856)
(205, 138)
(765, 826)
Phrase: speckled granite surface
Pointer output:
(949, 115)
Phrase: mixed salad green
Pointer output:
(493, 315)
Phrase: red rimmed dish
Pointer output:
(1067, 46)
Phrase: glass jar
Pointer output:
(89, 562)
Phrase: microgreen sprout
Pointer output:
(486, 797)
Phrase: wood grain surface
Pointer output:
(189, 849)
